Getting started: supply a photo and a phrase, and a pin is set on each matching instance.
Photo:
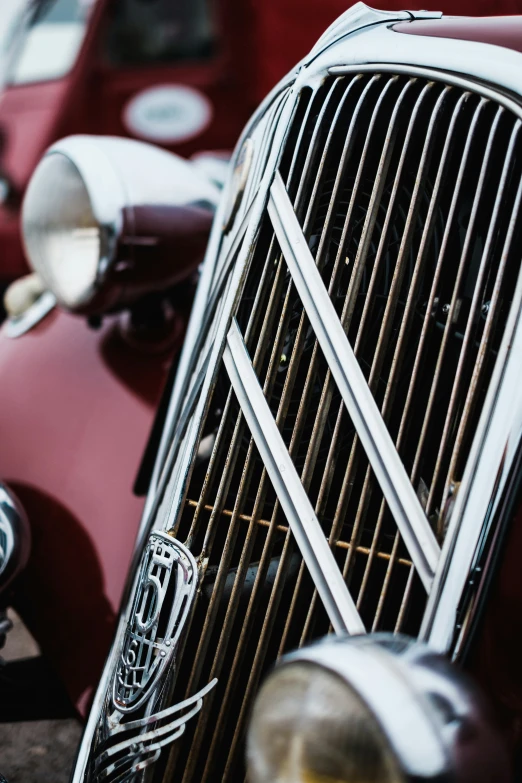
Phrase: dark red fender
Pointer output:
(497, 649)
(76, 408)
(503, 31)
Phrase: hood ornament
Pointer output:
(134, 727)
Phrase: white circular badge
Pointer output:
(169, 113)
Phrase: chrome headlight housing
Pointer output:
(373, 709)
(66, 242)
(106, 220)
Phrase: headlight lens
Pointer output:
(308, 725)
(63, 238)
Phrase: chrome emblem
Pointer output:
(134, 728)
(155, 624)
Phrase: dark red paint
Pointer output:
(497, 651)
(76, 409)
(503, 31)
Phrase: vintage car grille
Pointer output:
(341, 416)
(407, 192)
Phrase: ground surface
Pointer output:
(39, 752)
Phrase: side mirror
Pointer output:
(15, 537)
(107, 220)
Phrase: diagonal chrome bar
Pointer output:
(362, 408)
(294, 501)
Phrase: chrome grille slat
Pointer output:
(491, 320)
(290, 491)
(477, 297)
(205, 634)
(397, 356)
(454, 300)
(360, 259)
(281, 409)
(460, 272)
(258, 357)
(346, 315)
(371, 217)
(343, 163)
(396, 364)
(315, 150)
(404, 602)
(327, 389)
(224, 561)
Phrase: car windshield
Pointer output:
(148, 32)
(45, 42)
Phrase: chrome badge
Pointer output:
(137, 725)
(155, 626)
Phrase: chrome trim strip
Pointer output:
(166, 588)
(380, 48)
(359, 17)
(375, 438)
(143, 749)
(294, 501)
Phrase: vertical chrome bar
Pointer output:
(391, 304)
(460, 270)
(476, 300)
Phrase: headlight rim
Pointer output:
(444, 708)
(108, 202)
(378, 672)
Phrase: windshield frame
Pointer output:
(24, 26)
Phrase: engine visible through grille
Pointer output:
(408, 195)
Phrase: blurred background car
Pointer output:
(160, 71)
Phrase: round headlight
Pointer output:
(372, 709)
(63, 238)
(106, 221)
(309, 725)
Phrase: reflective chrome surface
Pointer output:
(442, 729)
(259, 594)
(15, 540)
(399, 493)
(133, 233)
(133, 730)
(298, 510)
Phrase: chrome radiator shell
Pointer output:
(347, 55)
